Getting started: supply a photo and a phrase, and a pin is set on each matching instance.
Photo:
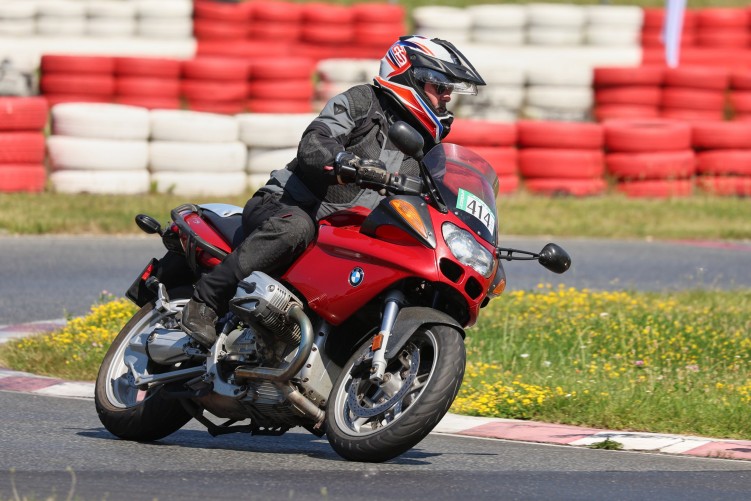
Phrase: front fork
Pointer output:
(393, 302)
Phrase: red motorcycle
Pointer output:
(362, 339)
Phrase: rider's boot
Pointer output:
(199, 322)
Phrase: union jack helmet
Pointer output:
(412, 62)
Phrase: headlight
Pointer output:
(467, 250)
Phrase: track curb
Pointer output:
(452, 424)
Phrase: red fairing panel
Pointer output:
(322, 273)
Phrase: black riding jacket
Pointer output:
(356, 121)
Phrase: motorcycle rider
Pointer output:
(416, 79)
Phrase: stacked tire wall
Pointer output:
(22, 144)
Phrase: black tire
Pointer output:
(124, 411)
(433, 356)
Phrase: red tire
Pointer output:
(561, 163)
(660, 188)
(575, 135)
(566, 187)
(292, 90)
(90, 65)
(508, 184)
(215, 68)
(221, 107)
(282, 68)
(723, 38)
(654, 17)
(327, 14)
(647, 135)
(152, 103)
(53, 99)
(277, 12)
(726, 185)
(222, 11)
(379, 35)
(503, 159)
(639, 95)
(23, 113)
(656, 165)
(16, 178)
(698, 77)
(693, 99)
(22, 147)
(721, 135)
(468, 132)
(654, 38)
(267, 30)
(204, 90)
(82, 84)
(378, 13)
(740, 78)
(740, 101)
(147, 87)
(147, 67)
(279, 106)
(722, 17)
(243, 49)
(330, 34)
(628, 76)
(690, 116)
(724, 162)
(209, 29)
(603, 112)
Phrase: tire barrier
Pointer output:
(557, 158)
(627, 92)
(723, 159)
(496, 143)
(694, 93)
(650, 158)
(22, 144)
(71, 78)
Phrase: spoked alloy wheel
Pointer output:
(125, 410)
(372, 423)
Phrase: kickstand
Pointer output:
(214, 429)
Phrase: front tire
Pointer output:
(365, 422)
(126, 411)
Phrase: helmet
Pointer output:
(414, 61)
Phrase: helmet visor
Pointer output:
(443, 81)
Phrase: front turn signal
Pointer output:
(410, 215)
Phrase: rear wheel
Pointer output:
(125, 410)
(372, 423)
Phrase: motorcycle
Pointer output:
(361, 339)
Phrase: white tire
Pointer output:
(458, 36)
(441, 18)
(255, 181)
(508, 37)
(627, 16)
(567, 75)
(554, 36)
(18, 11)
(494, 16)
(536, 113)
(559, 15)
(161, 28)
(197, 157)
(219, 184)
(114, 9)
(170, 9)
(495, 74)
(17, 27)
(66, 152)
(61, 26)
(263, 161)
(504, 96)
(560, 98)
(353, 71)
(110, 27)
(100, 120)
(273, 130)
(184, 125)
(125, 182)
(326, 90)
(496, 114)
(612, 36)
(61, 8)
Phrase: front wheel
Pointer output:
(126, 411)
(372, 423)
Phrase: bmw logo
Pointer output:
(356, 277)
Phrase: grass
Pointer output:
(607, 216)
(658, 362)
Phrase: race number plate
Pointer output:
(467, 202)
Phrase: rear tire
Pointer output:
(365, 423)
(125, 411)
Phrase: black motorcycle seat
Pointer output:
(229, 225)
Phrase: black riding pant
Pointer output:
(277, 233)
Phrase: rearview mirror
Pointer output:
(407, 139)
(554, 258)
